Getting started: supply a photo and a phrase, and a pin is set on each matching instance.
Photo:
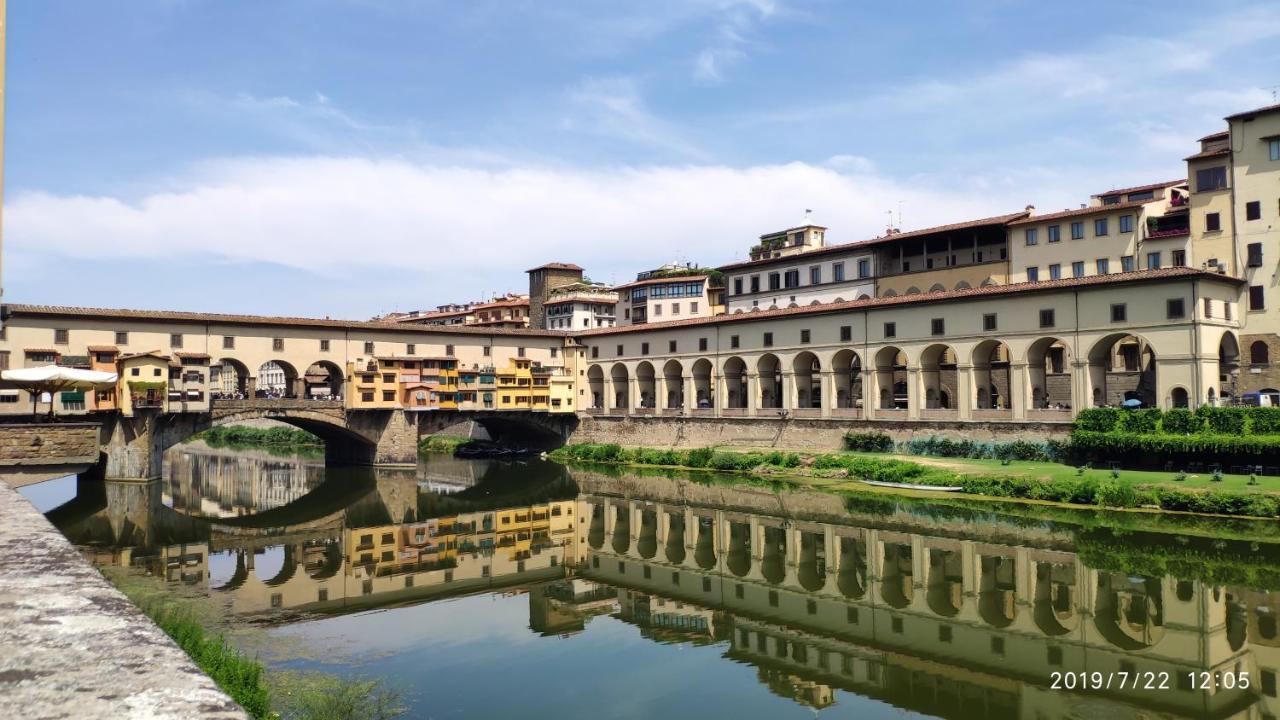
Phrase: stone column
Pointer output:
(752, 389)
(1019, 390)
(690, 394)
(915, 392)
(788, 390)
(965, 396)
(633, 388)
(870, 392)
(300, 388)
(827, 383)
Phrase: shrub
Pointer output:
(1142, 422)
(1097, 419)
(1117, 494)
(1264, 420)
(1180, 421)
(868, 442)
(698, 457)
(1225, 421)
(733, 461)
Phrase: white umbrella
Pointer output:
(53, 378)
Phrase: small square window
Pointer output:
(846, 333)
(890, 330)
(644, 348)
(618, 351)
(520, 352)
(768, 339)
(706, 584)
(229, 343)
(671, 346)
(938, 326)
(1077, 231)
(1032, 236)
(622, 568)
(175, 340)
(324, 346)
(1100, 227)
(997, 645)
(804, 336)
(739, 591)
(733, 341)
(1175, 308)
(812, 607)
(412, 349)
(1055, 233)
(1103, 266)
(1119, 312)
(896, 625)
(122, 338)
(1257, 297)
(1055, 272)
(1077, 269)
(851, 615)
(1046, 318)
(989, 321)
(1055, 655)
(1033, 274)
(773, 598)
(1253, 210)
(702, 344)
(1212, 222)
(944, 633)
(595, 351)
(368, 348)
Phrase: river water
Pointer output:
(497, 589)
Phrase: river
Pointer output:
(528, 589)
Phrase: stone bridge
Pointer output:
(134, 446)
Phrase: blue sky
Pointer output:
(353, 157)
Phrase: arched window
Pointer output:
(937, 287)
(1259, 354)
(1179, 397)
(962, 285)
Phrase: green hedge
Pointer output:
(1118, 444)
(1237, 421)
(868, 442)
(242, 435)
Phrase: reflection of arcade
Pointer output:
(947, 618)
(210, 483)
(364, 537)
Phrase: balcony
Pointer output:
(1168, 226)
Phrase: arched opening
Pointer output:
(647, 542)
(704, 552)
(276, 379)
(997, 593)
(739, 556)
(1228, 366)
(945, 593)
(703, 397)
(1129, 610)
(735, 382)
(962, 285)
(230, 379)
(913, 290)
(621, 529)
(1049, 372)
(324, 381)
(675, 549)
(989, 282)
(889, 293)
(896, 586)
(891, 378)
(646, 385)
(673, 384)
(938, 373)
(769, 371)
(595, 381)
(1122, 369)
(852, 580)
(1055, 598)
(991, 375)
(773, 557)
(1259, 353)
(937, 288)
(808, 380)
(847, 369)
(812, 570)
(1178, 398)
(595, 533)
(621, 381)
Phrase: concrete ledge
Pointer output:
(72, 646)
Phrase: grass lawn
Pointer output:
(1055, 471)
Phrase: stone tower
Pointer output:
(542, 280)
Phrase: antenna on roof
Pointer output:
(899, 214)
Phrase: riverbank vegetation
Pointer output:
(242, 435)
(433, 444)
(1026, 480)
(264, 692)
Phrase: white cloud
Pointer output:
(733, 30)
(613, 107)
(355, 216)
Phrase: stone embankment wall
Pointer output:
(72, 646)
(48, 443)
(795, 434)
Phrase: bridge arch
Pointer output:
(232, 378)
(324, 379)
(276, 379)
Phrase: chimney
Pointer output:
(1031, 210)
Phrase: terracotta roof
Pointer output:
(103, 349)
(1252, 113)
(1140, 188)
(33, 351)
(845, 247)
(1215, 136)
(225, 319)
(662, 280)
(1081, 212)
(192, 356)
(434, 314)
(150, 353)
(501, 304)
(924, 298)
(1208, 154)
(555, 266)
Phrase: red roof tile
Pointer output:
(103, 349)
(924, 298)
(1215, 136)
(1208, 154)
(1140, 188)
(1080, 212)
(1251, 113)
(555, 266)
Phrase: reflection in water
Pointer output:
(864, 609)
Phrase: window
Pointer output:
(1208, 307)
(1103, 266)
(890, 330)
(657, 309)
(175, 340)
(1077, 269)
(366, 396)
(846, 333)
(122, 338)
(618, 351)
(837, 272)
(489, 351)
(519, 352)
(815, 275)
(864, 269)
(938, 326)
(1054, 233)
(989, 321)
(1255, 255)
(1153, 260)
(737, 286)
(412, 349)
(1033, 274)
(1253, 210)
(944, 633)
(1256, 298)
(997, 645)
(1212, 222)
(702, 344)
(644, 348)
(1126, 223)
(1178, 258)
(595, 351)
(1175, 308)
(1055, 272)
(1126, 263)
(768, 339)
(1268, 678)
(791, 278)
(671, 346)
(1032, 236)
(804, 336)
(755, 283)
(775, 281)
(1077, 230)
(733, 341)
(1211, 179)
(1274, 147)
(1259, 353)
(1046, 318)
(1100, 227)
(693, 308)
(1119, 312)
(368, 348)
(277, 344)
